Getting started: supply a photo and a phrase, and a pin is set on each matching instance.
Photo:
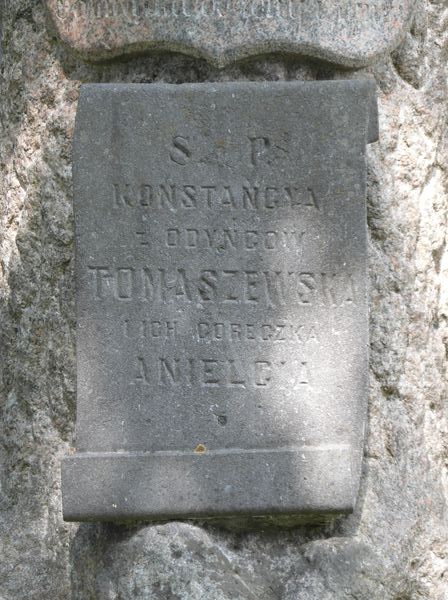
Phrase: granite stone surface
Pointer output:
(347, 32)
(394, 545)
(221, 299)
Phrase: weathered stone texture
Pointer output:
(395, 545)
(280, 417)
(347, 32)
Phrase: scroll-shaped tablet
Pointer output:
(221, 286)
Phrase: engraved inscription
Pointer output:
(270, 333)
(265, 151)
(233, 238)
(258, 9)
(150, 330)
(221, 286)
(180, 152)
(225, 332)
(221, 373)
(174, 197)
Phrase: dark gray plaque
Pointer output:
(221, 299)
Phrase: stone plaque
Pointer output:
(348, 32)
(222, 341)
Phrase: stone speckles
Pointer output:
(349, 32)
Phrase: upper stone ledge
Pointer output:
(349, 33)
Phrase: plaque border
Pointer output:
(97, 486)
